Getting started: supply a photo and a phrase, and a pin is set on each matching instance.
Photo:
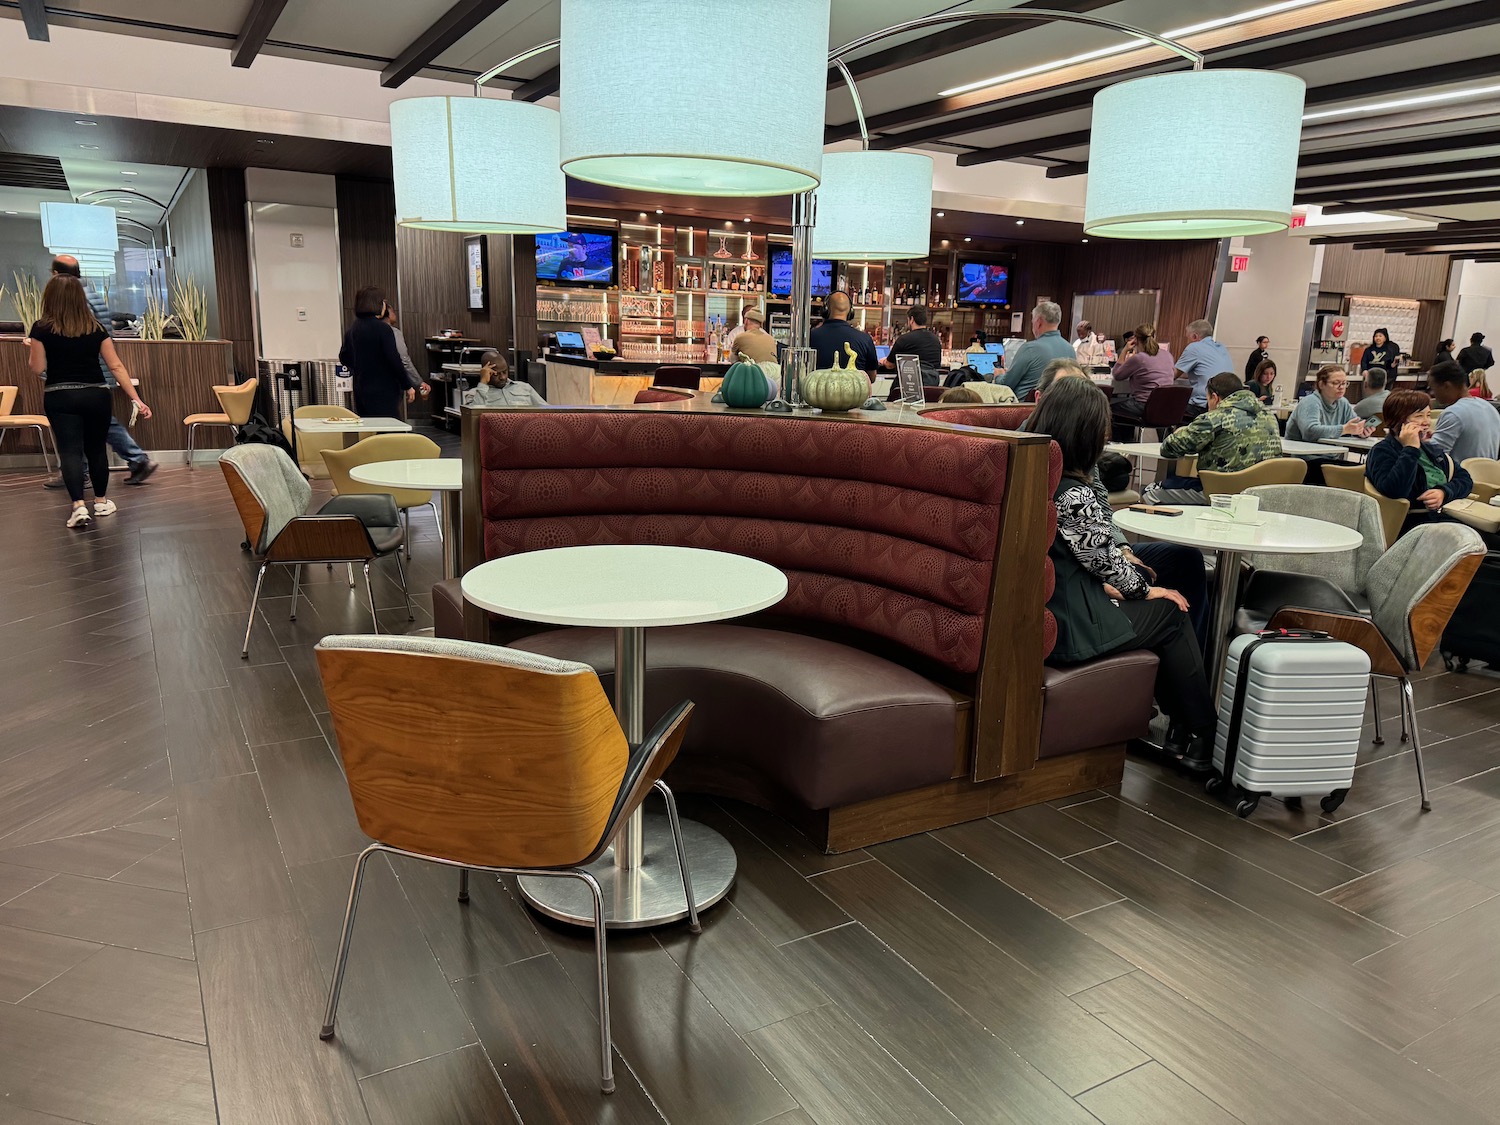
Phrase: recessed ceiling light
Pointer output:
(128, 173)
(940, 214)
(945, 242)
(81, 121)
(1085, 240)
(747, 218)
(1020, 222)
(658, 210)
(89, 146)
(968, 239)
(264, 141)
(643, 214)
(1403, 103)
(12, 212)
(728, 225)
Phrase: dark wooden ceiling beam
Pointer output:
(1427, 251)
(1377, 192)
(1035, 147)
(1417, 146)
(1063, 171)
(255, 31)
(994, 119)
(544, 85)
(1443, 233)
(449, 28)
(1444, 199)
(1439, 169)
(34, 16)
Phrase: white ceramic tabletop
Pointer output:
(1153, 448)
(624, 586)
(1273, 533)
(432, 474)
(1363, 444)
(352, 425)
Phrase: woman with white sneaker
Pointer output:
(65, 346)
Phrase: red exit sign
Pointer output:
(1239, 263)
(1299, 219)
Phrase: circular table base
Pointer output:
(649, 895)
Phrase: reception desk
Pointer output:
(175, 377)
(578, 381)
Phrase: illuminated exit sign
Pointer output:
(1299, 219)
(1239, 263)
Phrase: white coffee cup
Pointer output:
(1245, 507)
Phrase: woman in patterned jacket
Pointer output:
(1102, 604)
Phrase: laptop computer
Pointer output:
(983, 362)
(881, 351)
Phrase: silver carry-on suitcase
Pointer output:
(1290, 715)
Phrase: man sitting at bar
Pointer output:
(829, 338)
(755, 343)
(920, 341)
(1025, 370)
(1234, 433)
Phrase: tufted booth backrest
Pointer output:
(991, 416)
(888, 529)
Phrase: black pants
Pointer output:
(1180, 568)
(80, 425)
(1181, 683)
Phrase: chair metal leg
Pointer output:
(606, 1059)
(463, 884)
(192, 430)
(682, 860)
(296, 581)
(1410, 707)
(254, 601)
(342, 961)
(406, 533)
(42, 434)
(370, 593)
(1379, 739)
(411, 613)
(351, 575)
(437, 518)
(1405, 730)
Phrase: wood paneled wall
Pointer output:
(1374, 273)
(367, 238)
(433, 294)
(226, 206)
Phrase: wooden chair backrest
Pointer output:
(1430, 616)
(381, 447)
(252, 515)
(484, 764)
(7, 400)
(1277, 470)
(238, 401)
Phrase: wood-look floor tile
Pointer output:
(1475, 857)
(1464, 1051)
(751, 982)
(795, 1117)
(1041, 1024)
(15, 1115)
(263, 1002)
(458, 1088)
(92, 1072)
(396, 1005)
(790, 844)
(841, 1075)
(204, 736)
(126, 988)
(1035, 937)
(1410, 896)
(270, 705)
(544, 1041)
(309, 801)
(234, 866)
(30, 958)
(1017, 863)
(1050, 830)
(491, 930)
(304, 665)
(1254, 888)
(1151, 1095)
(18, 880)
(1452, 965)
(104, 912)
(161, 869)
(976, 1076)
(97, 854)
(1394, 777)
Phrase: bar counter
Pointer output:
(175, 378)
(581, 381)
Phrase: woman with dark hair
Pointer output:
(1145, 365)
(1445, 352)
(1381, 351)
(1258, 355)
(373, 359)
(1101, 602)
(1262, 381)
(1405, 465)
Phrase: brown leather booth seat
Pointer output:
(900, 684)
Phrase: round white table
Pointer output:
(1273, 533)
(432, 474)
(630, 588)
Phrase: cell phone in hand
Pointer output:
(1155, 510)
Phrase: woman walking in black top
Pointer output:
(66, 345)
(373, 360)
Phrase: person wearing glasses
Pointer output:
(1326, 412)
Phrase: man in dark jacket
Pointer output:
(1476, 357)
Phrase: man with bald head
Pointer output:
(141, 465)
(830, 337)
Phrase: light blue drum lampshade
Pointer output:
(647, 106)
(478, 165)
(874, 205)
(1201, 154)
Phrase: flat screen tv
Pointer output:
(576, 257)
(781, 274)
(983, 283)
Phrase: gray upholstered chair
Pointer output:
(1413, 590)
(272, 495)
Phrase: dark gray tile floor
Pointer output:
(175, 844)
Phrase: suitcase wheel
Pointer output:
(1214, 784)
(244, 544)
(1331, 802)
(1293, 803)
(1247, 805)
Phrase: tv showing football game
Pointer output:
(781, 274)
(983, 283)
(576, 257)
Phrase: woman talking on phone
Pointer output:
(1405, 465)
(373, 359)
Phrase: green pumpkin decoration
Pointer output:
(745, 386)
(838, 387)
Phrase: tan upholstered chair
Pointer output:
(310, 447)
(1278, 470)
(534, 776)
(237, 403)
(385, 447)
(37, 422)
(1393, 513)
(1486, 474)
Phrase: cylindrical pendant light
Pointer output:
(1232, 138)
(874, 205)
(478, 165)
(643, 109)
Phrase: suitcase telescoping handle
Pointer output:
(1242, 685)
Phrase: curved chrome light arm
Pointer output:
(1040, 15)
(539, 49)
(122, 191)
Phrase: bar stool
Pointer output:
(37, 422)
(238, 402)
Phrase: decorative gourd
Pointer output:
(838, 387)
(744, 386)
